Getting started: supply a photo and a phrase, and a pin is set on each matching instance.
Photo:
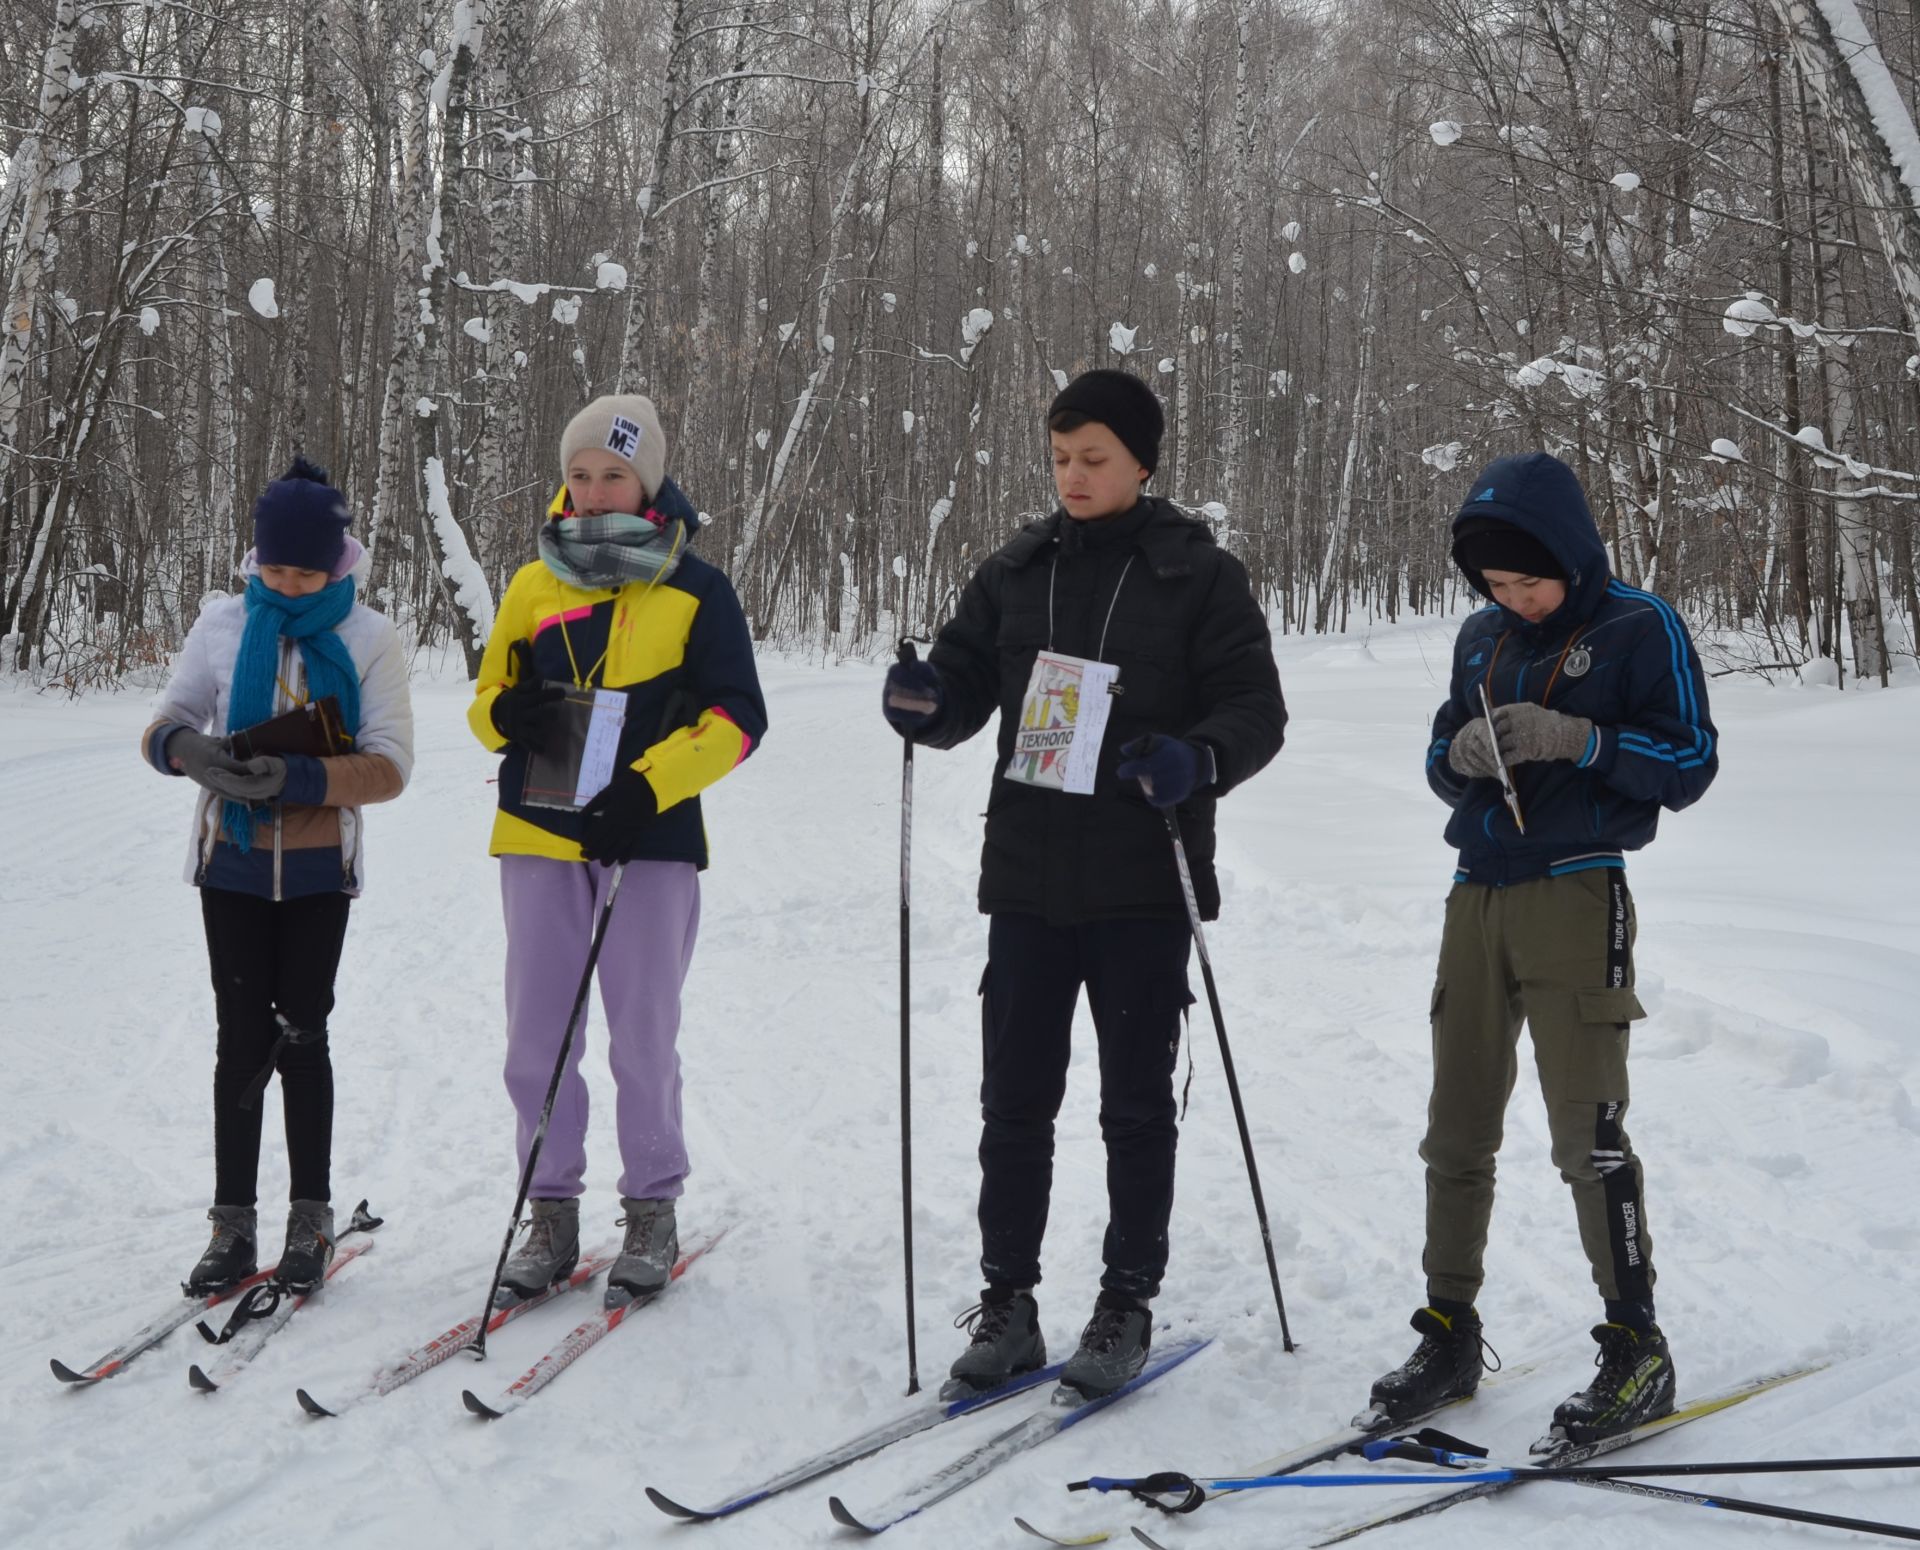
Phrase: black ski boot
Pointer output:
(1445, 1366)
(1005, 1326)
(310, 1235)
(231, 1254)
(1634, 1384)
(1113, 1346)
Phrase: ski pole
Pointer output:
(1192, 1491)
(479, 1346)
(1226, 1062)
(906, 1031)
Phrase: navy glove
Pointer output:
(912, 696)
(618, 818)
(1169, 769)
(528, 712)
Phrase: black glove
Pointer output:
(1169, 769)
(259, 779)
(618, 818)
(912, 695)
(199, 757)
(528, 711)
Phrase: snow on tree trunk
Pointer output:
(462, 583)
(502, 434)
(31, 178)
(1867, 113)
(412, 212)
(1240, 204)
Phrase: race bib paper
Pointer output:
(603, 744)
(1063, 721)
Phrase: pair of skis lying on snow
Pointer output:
(264, 1307)
(1468, 1476)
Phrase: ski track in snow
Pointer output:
(1779, 957)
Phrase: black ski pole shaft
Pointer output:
(1731, 1504)
(1226, 1064)
(1734, 1467)
(479, 1346)
(906, 1033)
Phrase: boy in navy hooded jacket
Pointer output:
(1599, 709)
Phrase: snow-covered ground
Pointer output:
(1779, 957)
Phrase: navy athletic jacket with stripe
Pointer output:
(1616, 655)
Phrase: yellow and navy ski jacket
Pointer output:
(1618, 656)
(679, 648)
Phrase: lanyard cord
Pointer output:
(1552, 677)
(1101, 654)
(679, 539)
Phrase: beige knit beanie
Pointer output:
(624, 424)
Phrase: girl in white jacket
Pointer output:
(276, 851)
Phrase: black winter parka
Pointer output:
(1152, 593)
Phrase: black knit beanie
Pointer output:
(1121, 402)
(1489, 544)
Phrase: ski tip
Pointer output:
(1147, 1539)
(66, 1374)
(479, 1406)
(674, 1509)
(311, 1405)
(198, 1378)
(845, 1518)
(1100, 1537)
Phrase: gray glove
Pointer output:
(256, 780)
(1530, 733)
(1471, 751)
(200, 758)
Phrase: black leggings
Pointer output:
(267, 956)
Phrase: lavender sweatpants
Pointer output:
(551, 909)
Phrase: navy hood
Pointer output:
(1541, 496)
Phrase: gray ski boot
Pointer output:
(1005, 1326)
(547, 1254)
(231, 1253)
(1113, 1348)
(309, 1250)
(647, 1254)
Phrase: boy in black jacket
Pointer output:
(1599, 708)
(1077, 875)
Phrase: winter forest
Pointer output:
(851, 248)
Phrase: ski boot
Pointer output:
(1004, 1326)
(309, 1250)
(647, 1254)
(231, 1254)
(1445, 1366)
(548, 1253)
(1634, 1384)
(1113, 1348)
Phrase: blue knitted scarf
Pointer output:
(311, 621)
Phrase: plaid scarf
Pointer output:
(612, 549)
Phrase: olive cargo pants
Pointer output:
(1557, 954)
